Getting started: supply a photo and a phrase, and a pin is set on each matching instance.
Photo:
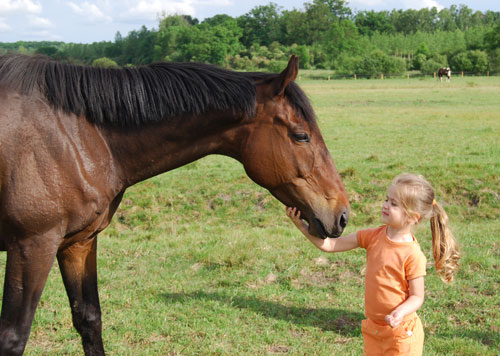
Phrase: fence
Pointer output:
(407, 75)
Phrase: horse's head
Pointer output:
(285, 153)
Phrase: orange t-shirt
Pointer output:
(389, 267)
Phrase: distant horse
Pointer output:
(444, 72)
(73, 138)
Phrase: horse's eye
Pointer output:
(301, 137)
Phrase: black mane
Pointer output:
(135, 96)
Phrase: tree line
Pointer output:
(325, 34)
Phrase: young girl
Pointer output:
(395, 270)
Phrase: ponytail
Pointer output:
(444, 246)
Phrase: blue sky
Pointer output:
(99, 20)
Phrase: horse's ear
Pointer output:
(285, 77)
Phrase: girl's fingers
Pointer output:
(293, 213)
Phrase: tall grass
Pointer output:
(200, 261)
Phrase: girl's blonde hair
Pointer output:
(417, 199)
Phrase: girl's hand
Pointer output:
(394, 319)
(294, 215)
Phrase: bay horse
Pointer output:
(74, 138)
(444, 72)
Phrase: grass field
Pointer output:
(201, 261)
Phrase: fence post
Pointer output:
(462, 74)
(328, 77)
(354, 76)
(408, 75)
(488, 73)
(434, 75)
(382, 76)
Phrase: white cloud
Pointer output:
(4, 26)
(39, 22)
(90, 12)
(393, 4)
(420, 4)
(150, 9)
(29, 6)
(44, 35)
(365, 3)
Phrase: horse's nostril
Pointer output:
(343, 220)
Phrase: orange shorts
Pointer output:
(381, 340)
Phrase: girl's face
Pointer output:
(393, 213)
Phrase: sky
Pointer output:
(99, 20)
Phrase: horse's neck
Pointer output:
(145, 152)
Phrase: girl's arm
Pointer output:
(412, 304)
(344, 243)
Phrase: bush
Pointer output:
(347, 64)
(494, 60)
(431, 66)
(461, 62)
(418, 61)
(304, 57)
(240, 63)
(104, 62)
(479, 60)
(470, 61)
(377, 62)
(276, 66)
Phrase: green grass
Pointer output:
(200, 261)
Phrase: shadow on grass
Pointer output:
(343, 322)
(490, 339)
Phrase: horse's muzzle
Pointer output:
(318, 227)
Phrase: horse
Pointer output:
(73, 138)
(444, 71)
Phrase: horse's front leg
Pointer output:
(78, 264)
(28, 264)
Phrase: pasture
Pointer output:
(201, 261)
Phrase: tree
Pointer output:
(166, 42)
(338, 8)
(446, 20)
(463, 17)
(295, 28)
(206, 43)
(318, 21)
(479, 60)
(492, 38)
(138, 47)
(261, 25)
(405, 21)
(370, 22)
(49, 51)
(427, 19)
(461, 62)
(423, 49)
(342, 37)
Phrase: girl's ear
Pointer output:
(415, 219)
